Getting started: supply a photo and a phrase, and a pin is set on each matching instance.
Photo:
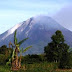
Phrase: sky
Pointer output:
(13, 12)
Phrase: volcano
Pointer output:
(39, 30)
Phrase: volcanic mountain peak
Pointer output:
(40, 22)
(39, 30)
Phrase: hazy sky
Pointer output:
(14, 11)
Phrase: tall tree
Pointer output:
(55, 49)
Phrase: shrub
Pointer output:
(2, 59)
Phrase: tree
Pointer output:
(58, 37)
(3, 49)
(16, 63)
(5, 54)
(2, 59)
(65, 59)
(53, 49)
(57, 49)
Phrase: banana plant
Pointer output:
(15, 61)
(15, 39)
(17, 50)
(21, 52)
(17, 44)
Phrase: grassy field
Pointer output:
(36, 67)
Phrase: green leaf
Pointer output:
(27, 48)
(9, 62)
(21, 50)
(15, 39)
(13, 54)
(22, 41)
(18, 49)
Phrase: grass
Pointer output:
(36, 67)
(4, 69)
(40, 67)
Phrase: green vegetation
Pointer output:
(15, 61)
(56, 58)
(36, 67)
(57, 51)
(5, 54)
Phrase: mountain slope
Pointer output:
(39, 30)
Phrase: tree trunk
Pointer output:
(15, 63)
(16, 57)
(20, 61)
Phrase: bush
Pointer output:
(65, 61)
(33, 59)
(2, 59)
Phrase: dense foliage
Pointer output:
(57, 50)
(5, 54)
(30, 59)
